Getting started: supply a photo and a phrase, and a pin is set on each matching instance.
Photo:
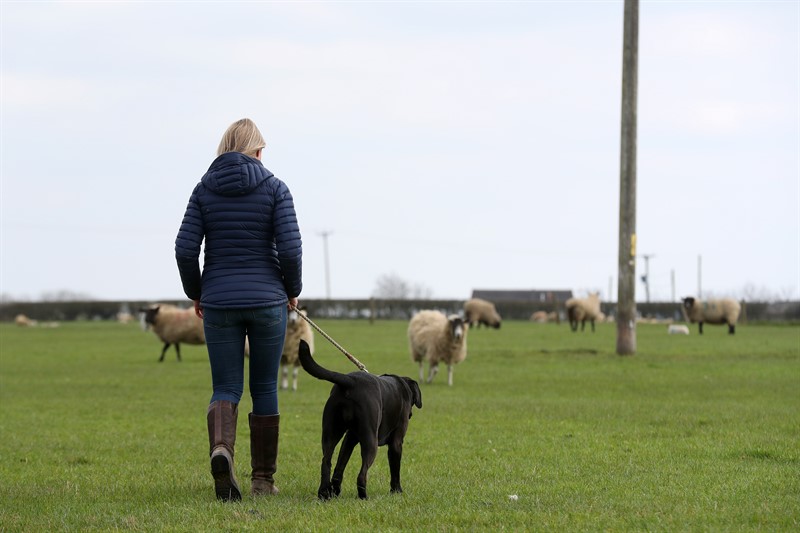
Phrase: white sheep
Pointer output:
(173, 326)
(23, 321)
(543, 316)
(678, 329)
(583, 309)
(296, 329)
(435, 337)
(723, 311)
(478, 311)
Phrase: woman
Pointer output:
(252, 268)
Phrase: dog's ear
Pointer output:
(416, 394)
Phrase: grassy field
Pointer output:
(691, 434)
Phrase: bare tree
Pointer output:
(393, 287)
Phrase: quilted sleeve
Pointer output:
(187, 247)
(288, 241)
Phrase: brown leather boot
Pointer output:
(263, 452)
(222, 417)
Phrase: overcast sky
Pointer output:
(456, 145)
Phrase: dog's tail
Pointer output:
(311, 366)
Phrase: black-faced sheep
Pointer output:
(173, 326)
(723, 311)
(583, 309)
(296, 329)
(479, 312)
(435, 337)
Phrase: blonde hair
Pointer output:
(241, 136)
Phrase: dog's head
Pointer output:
(416, 394)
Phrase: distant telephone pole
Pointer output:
(646, 277)
(699, 276)
(626, 290)
(324, 235)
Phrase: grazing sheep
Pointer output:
(296, 329)
(678, 329)
(583, 309)
(435, 337)
(173, 326)
(23, 321)
(542, 317)
(479, 312)
(724, 311)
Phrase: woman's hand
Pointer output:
(293, 303)
(197, 309)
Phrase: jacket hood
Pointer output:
(235, 174)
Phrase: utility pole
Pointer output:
(626, 284)
(672, 277)
(324, 235)
(699, 276)
(646, 277)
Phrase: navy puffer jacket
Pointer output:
(253, 250)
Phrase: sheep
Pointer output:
(583, 309)
(543, 316)
(296, 329)
(23, 321)
(678, 329)
(723, 311)
(436, 337)
(173, 326)
(481, 312)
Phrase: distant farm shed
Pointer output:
(519, 304)
(533, 297)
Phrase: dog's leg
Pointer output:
(330, 439)
(346, 450)
(369, 450)
(395, 454)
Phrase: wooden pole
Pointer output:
(626, 290)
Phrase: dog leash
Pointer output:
(355, 361)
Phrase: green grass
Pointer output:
(697, 433)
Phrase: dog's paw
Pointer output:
(326, 492)
(336, 486)
(396, 489)
(362, 493)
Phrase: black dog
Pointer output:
(368, 410)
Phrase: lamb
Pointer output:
(678, 329)
(481, 312)
(723, 311)
(173, 326)
(297, 329)
(436, 337)
(583, 309)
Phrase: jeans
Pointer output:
(225, 331)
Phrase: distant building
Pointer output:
(523, 297)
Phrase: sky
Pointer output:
(453, 145)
